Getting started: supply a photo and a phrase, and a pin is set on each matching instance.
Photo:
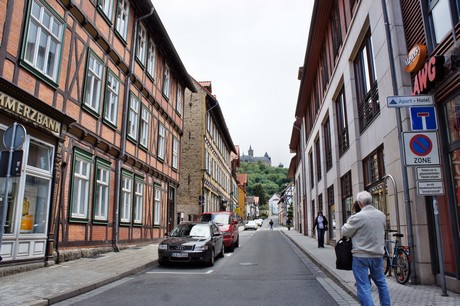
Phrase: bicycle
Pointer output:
(399, 261)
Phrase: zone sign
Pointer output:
(421, 149)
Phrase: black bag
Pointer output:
(343, 254)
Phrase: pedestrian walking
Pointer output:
(367, 229)
(271, 224)
(321, 226)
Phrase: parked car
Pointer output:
(228, 225)
(259, 222)
(251, 224)
(192, 242)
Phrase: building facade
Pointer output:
(347, 138)
(97, 87)
(206, 174)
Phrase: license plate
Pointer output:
(179, 255)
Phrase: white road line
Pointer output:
(171, 272)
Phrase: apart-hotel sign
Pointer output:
(10, 104)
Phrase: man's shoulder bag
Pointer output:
(343, 254)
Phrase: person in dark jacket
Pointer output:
(321, 226)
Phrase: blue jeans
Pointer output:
(321, 237)
(362, 267)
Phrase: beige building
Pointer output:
(206, 174)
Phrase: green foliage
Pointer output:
(263, 180)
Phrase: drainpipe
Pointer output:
(401, 151)
(124, 133)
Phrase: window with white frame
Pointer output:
(440, 12)
(161, 141)
(112, 95)
(80, 187)
(166, 81)
(175, 153)
(179, 99)
(106, 7)
(122, 18)
(138, 200)
(151, 59)
(133, 117)
(145, 127)
(141, 44)
(157, 206)
(93, 82)
(126, 197)
(101, 192)
(44, 37)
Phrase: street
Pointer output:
(267, 269)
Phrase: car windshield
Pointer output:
(217, 218)
(191, 230)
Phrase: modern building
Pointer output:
(206, 173)
(353, 132)
(95, 89)
(254, 159)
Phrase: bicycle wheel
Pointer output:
(386, 264)
(402, 269)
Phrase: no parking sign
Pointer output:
(421, 149)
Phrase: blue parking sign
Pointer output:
(423, 118)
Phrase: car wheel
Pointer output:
(222, 251)
(231, 247)
(211, 259)
(237, 242)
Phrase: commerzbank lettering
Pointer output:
(23, 110)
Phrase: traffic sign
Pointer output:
(429, 173)
(430, 188)
(421, 149)
(407, 101)
(423, 118)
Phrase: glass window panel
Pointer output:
(35, 205)
(39, 156)
(442, 20)
(452, 109)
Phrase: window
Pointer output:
(161, 141)
(331, 210)
(166, 82)
(44, 39)
(175, 152)
(179, 99)
(336, 31)
(366, 84)
(93, 82)
(342, 123)
(107, 8)
(80, 188)
(327, 144)
(101, 190)
(347, 195)
(318, 159)
(133, 117)
(141, 44)
(126, 197)
(122, 18)
(138, 200)
(112, 94)
(151, 59)
(145, 124)
(373, 167)
(157, 206)
(320, 202)
(312, 177)
(40, 156)
(440, 14)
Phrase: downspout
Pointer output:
(401, 151)
(124, 133)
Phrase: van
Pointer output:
(228, 225)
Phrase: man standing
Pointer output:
(367, 230)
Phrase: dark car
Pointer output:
(192, 242)
(228, 225)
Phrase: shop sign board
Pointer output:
(421, 149)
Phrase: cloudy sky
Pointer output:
(251, 51)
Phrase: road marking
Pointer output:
(182, 273)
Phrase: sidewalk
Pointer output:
(50, 285)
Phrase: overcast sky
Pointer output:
(251, 51)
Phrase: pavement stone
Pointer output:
(49, 285)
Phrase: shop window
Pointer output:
(43, 40)
(122, 19)
(112, 96)
(93, 83)
(157, 206)
(347, 195)
(366, 84)
(126, 197)
(373, 167)
(101, 190)
(35, 204)
(80, 186)
(452, 113)
(138, 200)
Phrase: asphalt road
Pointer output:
(266, 269)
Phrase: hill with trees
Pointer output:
(264, 180)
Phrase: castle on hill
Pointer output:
(253, 159)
